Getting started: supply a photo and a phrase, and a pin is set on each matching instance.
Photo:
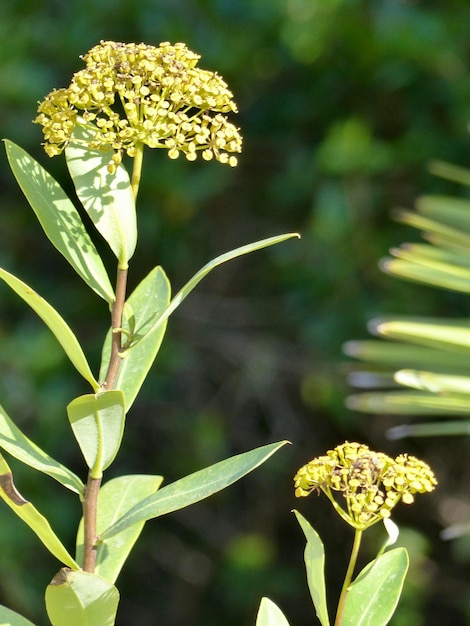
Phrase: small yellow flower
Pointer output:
(130, 94)
(371, 483)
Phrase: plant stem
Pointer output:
(348, 577)
(90, 496)
(90, 505)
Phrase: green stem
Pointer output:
(90, 496)
(348, 577)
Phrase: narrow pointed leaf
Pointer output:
(81, 599)
(223, 258)
(98, 424)
(454, 212)
(13, 441)
(31, 516)
(194, 487)
(10, 618)
(59, 219)
(450, 172)
(148, 301)
(451, 335)
(270, 615)
(437, 383)
(408, 403)
(315, 567)
(373, 596)
(55, 322)
(434, 227)
(117, 497)
(107, 197)
(432, 273)
(399, 354)
(434, 429)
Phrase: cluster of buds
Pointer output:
(130, 94)
(371, 483)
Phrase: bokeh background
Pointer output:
(342, 104)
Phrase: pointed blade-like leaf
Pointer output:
(433, 429)
(408, 403)
(31, 516)
(59, 219)
(98, 424)
(107, 197)
(446, 335)
(373, 596)
(270, 615)
(430, 381)
(55, 322)
(10, 618)
(194, 487)
(81, 599)
(13, 441)
(147, 302)
(223, 258)
(117, 497)
(315, 567)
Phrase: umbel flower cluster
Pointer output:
(131, 94)
(371, 483)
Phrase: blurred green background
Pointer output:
(342, 104)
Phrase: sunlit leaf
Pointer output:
(408, 403)
(315, 568)
(433, 429)
(115, 498)
(373, 596)
(451, 335)
(55, 322)
(270, 615)
(13, 441)
(81, 599)
(194, 487)
(59, 219)
(10, 618)
(450, 172)
(98, 424)
(107, 197)
(31, 516)
(437, 383)
(223, 258)
(147, 302)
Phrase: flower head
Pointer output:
(371, 483)
(131, 94)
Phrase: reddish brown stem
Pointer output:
(90, 502)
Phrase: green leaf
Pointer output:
(147, 302)
(453, 212)
(445, 335)
(98, 425)
(13, 441)
(193, 488)
(450, 172)
(55, 322)
(31, 516)
(107, 197)
(437, 383)
(270, 615)
(434, 227)
(437, 274)
(81, 599)
(408, 403)
(401, 354)
(223, 258)
(434, 429)
(373, 596)
(10, 618)
(117, 497)
(315, 567)
(59, 219)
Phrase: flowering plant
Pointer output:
(363, 487)
(128, 96)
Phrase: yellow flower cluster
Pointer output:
(371, 483)
(130, 94)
